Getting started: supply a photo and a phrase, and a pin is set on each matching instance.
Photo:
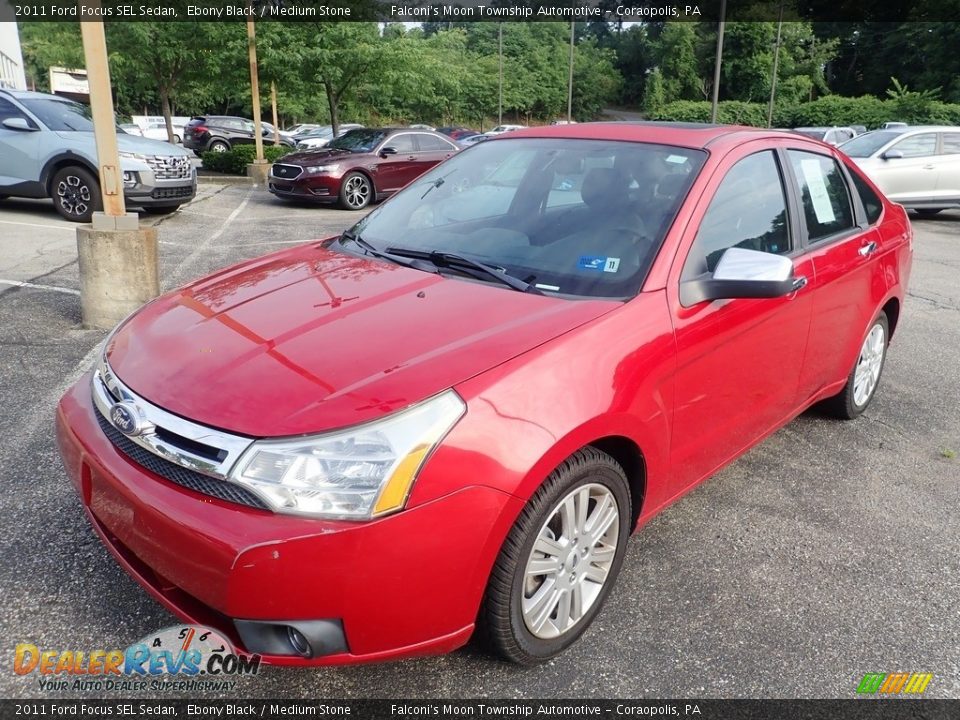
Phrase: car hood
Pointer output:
(128, 143)
(308, 158)
(308, 340)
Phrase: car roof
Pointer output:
(682, 134)
(31, 95)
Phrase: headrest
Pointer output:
(671, 185)
(604, 188)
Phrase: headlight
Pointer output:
(133, 156)
(358, 473)
(322, 169)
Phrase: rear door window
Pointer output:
(823, 190)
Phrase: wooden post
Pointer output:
(570, 80)
(104, 125)
(255, 89)
(718, 61)
(276, 122)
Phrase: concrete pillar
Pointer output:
(118, 273)
(259, 172)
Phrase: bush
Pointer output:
(235, 161)
(730, 112)
(822, 112)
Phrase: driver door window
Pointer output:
(923, 145)
(748, 210)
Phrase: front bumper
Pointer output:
(310, 188)
(404, 585)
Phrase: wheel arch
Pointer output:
(67, 159)
(892, 310)
(630, 457)
(367, 174)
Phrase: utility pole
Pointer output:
(570, 79)
(719, 59)
(117, 258)
(776, 60)
(258, 169)
(500, 103)
(273, 105)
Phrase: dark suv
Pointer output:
(220, 133)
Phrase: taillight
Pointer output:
(197, 129)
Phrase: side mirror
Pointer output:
(892, 155)
(19, 123)
(743, 273)
(388, 151)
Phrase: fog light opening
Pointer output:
(299, 642)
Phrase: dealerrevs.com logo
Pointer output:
(182, 657)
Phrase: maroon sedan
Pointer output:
(360, 166)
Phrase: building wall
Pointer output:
(11, 59)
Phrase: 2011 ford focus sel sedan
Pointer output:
(453, 415)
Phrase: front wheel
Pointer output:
(219, 146)
(355, 191)
(559, 561)
(865, 376)
(76, 194)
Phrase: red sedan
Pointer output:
(359, 167)
(455, 413)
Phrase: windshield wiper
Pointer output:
(436, 183)
(370, 249)
(452, 260)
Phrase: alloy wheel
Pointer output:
(570, 561)
(868, 365)
(73, 195)
(356, 191)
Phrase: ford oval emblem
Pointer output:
(126, 418)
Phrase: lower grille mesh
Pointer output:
(175, 473)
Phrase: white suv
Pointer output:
(47, 149)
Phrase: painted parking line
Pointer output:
(38, 286)
(38, 225)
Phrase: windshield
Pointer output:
(362, 141)
(61, 115)
(576, 218)
(319, 132)
(867, 144)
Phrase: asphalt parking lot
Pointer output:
(829, 551)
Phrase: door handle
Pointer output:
(799, 283)
(929, 167)
(867, 249)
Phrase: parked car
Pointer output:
(894, 125)
(268, 133)
(421, 126)
(359, 167)
(829, 135)
(219, 133)
(319, 137)
(445, 418)
(47, 149)
(158, 131)
(500, 129)
(563, 122)
(859, 129)
(917, 166)
(466, 141)
(301, 128)
(455, 132)
(131, 129)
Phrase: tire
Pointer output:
(161, 209)
(177, 140)
(219, 146)
(198, 153)
(522, 618)
(859, 391)
(4, 197)
(927, 212)
(76, 194)
(356, 191)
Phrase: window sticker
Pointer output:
(676, 159)
(599, 263)
(822, 207)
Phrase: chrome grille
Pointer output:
(287, 172)
(186, 453)
(170, 168)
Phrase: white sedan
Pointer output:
(916, 166)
